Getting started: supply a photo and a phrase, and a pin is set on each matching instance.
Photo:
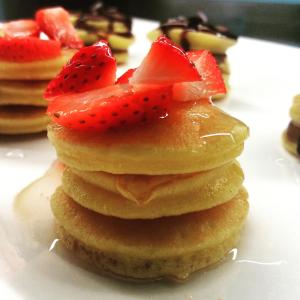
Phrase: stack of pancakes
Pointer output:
(195, 33)
(107, 23)
(22, 107)
(291, 136)
(154, 201)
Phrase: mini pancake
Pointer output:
(13, 92)
(293, 146)
(147, 197)
(197, 40)
(22, 119)
(295, 110)
(36, 70)
(192, 138)
(129, 248)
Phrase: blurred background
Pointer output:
(266, 19)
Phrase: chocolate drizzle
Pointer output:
(293, 134)
(98, 12)
(195, 23)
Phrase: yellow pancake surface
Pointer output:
(192, 138)
(289, 145)
(22, 119)
(295, 110)
(197, 40)
(147, 249)
(146, 197)
(14, 92)
(36, 70)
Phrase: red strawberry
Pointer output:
(28, 49)
(212, 82)
(125, 77)
(90, 68)
(166, 63)
(55, 22)
(21, 28)
(114, 106)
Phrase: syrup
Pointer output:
(32, 206)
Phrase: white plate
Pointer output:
(266, 264)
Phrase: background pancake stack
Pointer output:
(106, 23)
(22, 107)
(154, 201)
(195, 33)
(291, 136)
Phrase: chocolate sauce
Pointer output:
(196, 23)
(99, 12)
(293, 134)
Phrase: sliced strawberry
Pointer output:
(126, 76)
(114, 106)
(166, 63)
(28, 49)
(55, 22)
(90, 68)
(21, 28)
(212, 81)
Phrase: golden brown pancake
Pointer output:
(147, 197)
(291, 136)
(150, 249)
(14, 92)
(197, 40)
(16, 119)
(36, 70)
(192, 138)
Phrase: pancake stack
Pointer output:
(160, 200)
(195, 33)
(108, 23)
(22, 107)
(291, 136)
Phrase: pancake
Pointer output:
(197, 40)
(22, 119)
(128, 248)
(147, 197)
(291, 136)
(108, 23)
(192, 138)
(121, 56)
(14, 92)
(295, 110)
(36, 70)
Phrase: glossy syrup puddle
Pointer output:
(32, 207)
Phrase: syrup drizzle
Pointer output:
(196, 23)
(99, 12)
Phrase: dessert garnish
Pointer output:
(55, 22)
(86, 98)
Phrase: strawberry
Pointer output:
(21, 28)
(90, 68)
(212, 82)
(28, 49)
(125, 77)
(114, 106)
(55, 22)
(166, 63)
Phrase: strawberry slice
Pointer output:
(212, 81)
(114, 106)
(166, 63)
(28, 49)
(21, 28)
(126, 76)
(55, 22)
(90, 68)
